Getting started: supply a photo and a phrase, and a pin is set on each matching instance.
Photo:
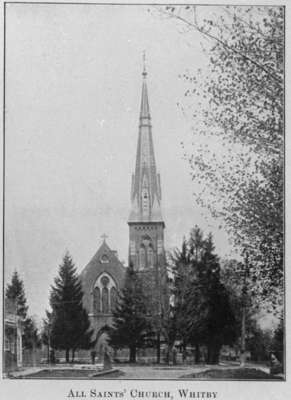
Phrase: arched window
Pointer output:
(104, 294)
(104, 259)
(96, 300)
(113, 298)
(150, 256)
(105, 281)
(105, 300)
(142, 259)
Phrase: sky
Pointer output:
(73, 89)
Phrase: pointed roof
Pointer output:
(144, 107)
(146, 190)
(104, 260)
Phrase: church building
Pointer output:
(104, 275)
(102, 279)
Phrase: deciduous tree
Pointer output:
(236, 102)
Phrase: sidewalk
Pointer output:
(131, 371)
(32, 370)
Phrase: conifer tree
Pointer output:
(204, 315)
(15, 292)
(210, 317)
(31, 337)
(69, 320)
(155, 284)
(131, 326)
(220, 320)
(181, 272)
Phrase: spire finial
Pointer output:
(104, 237)
(144, 64)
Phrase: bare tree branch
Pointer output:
(278, 80)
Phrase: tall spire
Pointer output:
(146, 190)
(144, 108)
(144, 73)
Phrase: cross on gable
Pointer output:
(104, 237)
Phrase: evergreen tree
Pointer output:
(155, 288)
(203, 311)
(15, 292)
(31, 338)
(181, 271)
(221, 321)
(46, 328)
(210, 317)
(69, 321)
(46, 336)
(131, 325)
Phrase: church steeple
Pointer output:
(146, 225)
(146, 188)
(144, 107)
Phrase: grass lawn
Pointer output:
(237, 373)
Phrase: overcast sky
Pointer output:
(73, 88)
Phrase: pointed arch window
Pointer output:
(105, 300)
(104, 294)
(96, 300)
(142, 257)
(113, 298)
(150, 256)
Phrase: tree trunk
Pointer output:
(158, 348)
(213, 350)
(67, 355)
(197, 354)
(184, 352)
(132, 354)
(48, 354)
(168, 354)
(243, 338)
(33, 353)
(73, 355)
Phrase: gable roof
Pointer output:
(97, 266)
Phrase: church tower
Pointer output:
(146, 225)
